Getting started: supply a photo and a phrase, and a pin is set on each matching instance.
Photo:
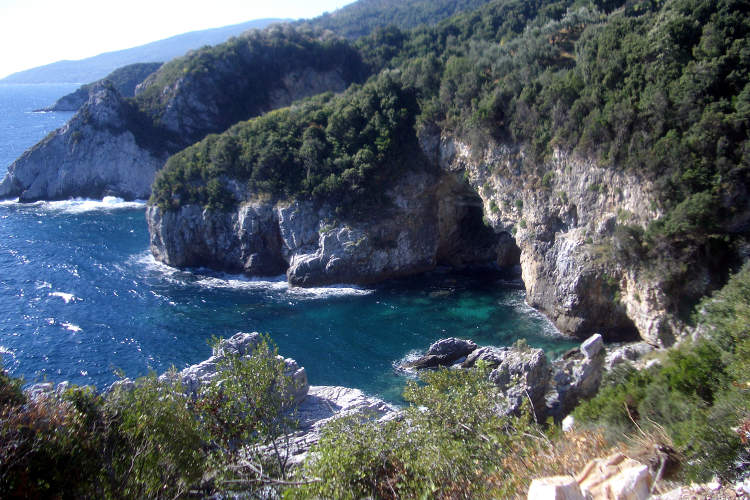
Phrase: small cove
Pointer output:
(81, 297)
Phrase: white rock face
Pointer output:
(559, 222)
(325, 403)
(555, 488)
(94, 155)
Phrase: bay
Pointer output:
(81, 297)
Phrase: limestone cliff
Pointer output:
(416, 232)
(94, 155)
(563, 214)
(114, 145)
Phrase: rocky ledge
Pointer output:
(524, 374)
(431, 220)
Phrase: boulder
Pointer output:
(555, 488)
(617, 478)
(444, 352)
(575, 377)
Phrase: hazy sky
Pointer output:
(37, 32)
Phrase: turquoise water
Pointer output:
(80, 295)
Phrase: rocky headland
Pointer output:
(114, 144)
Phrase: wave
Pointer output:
(67, 297)
(205, 278)
(80, 205)
(518, 302)
(70, 326)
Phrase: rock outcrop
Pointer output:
(94, 155)
(315, 248)
(241, 344)
(124, 79)
(524, 374)
(325, 403)
(115, 145)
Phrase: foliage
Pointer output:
(365, 16)
(342, 149)
(149, 439)
(699, 394)
(447, 443)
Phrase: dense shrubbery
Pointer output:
(235, 80)
(150, 441)
(338, 149)
(699, 394)
(365, 16)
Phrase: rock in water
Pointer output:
(444, 352)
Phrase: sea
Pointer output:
(83, 300)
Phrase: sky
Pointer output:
(38, 32)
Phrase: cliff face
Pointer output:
(93, 155)
(477, 205)
(563, 221)
(416, 232)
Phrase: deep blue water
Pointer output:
(80, 295)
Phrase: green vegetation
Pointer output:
(699, 394)
(150, 440)
(365, 16)
(340, 150)
(235, 80)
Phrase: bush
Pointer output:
(699, 394)
(448, 443)
(149, 440)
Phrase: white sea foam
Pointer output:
(5, 350)
(67, 297)
(239, 282)
(70, 326)
(518, 302)
(80, 205)
(277, 284)
(328, 291)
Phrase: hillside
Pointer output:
(365, 16)
(124, 80)
(97, 67)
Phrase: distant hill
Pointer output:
(97, 67)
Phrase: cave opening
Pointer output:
(466, 239)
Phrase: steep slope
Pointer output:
(610, 144)
(365, 16)
(96, 67)
(124, 79)
(186, 99)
